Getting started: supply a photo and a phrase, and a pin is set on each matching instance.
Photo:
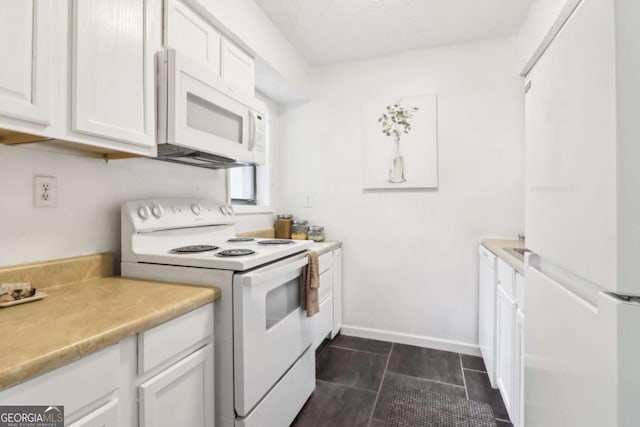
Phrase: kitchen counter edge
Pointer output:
(496, 246)
(96, 313)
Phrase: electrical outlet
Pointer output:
(45, 191)
(307, 201)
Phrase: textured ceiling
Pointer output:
(326, 31)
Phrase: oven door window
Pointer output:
(213, 119)
(282, 301)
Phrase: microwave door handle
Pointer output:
(255, 279)
(252, 130)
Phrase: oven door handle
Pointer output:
(258, 277)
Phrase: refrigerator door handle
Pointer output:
(625, 298)
(581, 290)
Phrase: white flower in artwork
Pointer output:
(395, 122)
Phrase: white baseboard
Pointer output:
(417, 340)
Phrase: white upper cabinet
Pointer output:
(26, 33)
(238, 68)
(191, 35)
(112, 70)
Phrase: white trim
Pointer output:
(417, 340)
(252, 209)
(551, 34)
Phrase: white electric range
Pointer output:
(264, 364)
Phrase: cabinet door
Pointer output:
(238, 68)
(518, 374)
(323, 322)
(337, 291)
(487, 310)
(113, 71)
(505, 346)
(105, 416)
(182, 395)
(26, 52)
(191, 35)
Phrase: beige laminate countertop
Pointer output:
(324, 247)
(496, 246)
(84, 316)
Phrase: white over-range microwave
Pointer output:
(203, 120)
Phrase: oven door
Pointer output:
(200, 111)
(271, 331)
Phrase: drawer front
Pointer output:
(74, 386)
(325, 261)
(174, 337)
(283, 402)
(326, 286)
(324, 322)
(105, 416)
(506, 277)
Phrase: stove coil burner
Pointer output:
(193, 249)
(235, 252)
(241, 240)
(275, 242)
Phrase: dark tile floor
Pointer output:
(356, 376)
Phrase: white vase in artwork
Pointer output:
(396, 164)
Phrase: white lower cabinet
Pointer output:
(487, 310)
(181, 394)
(100, 389)
(505, 322)
(518, 379)
(105, 416)
(502, 288)
(329, 320)
(337, 291)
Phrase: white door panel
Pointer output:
(570, 356)
(238, 68)
(486, 310)
(190, 34)
(505, 347)
(26, 32)
(113, 72)
(182, 394)
(571, 147)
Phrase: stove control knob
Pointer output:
(143, 212)
(157, 211)
(196, 208)
(227, 210)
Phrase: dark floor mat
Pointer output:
(412, 407)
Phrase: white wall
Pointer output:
(410, 257)
(90, 191)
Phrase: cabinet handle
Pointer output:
(527, 86)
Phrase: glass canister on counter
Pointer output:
(283, 226)
(299, 229)
(316, 233)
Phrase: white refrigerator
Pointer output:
(582, 332)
